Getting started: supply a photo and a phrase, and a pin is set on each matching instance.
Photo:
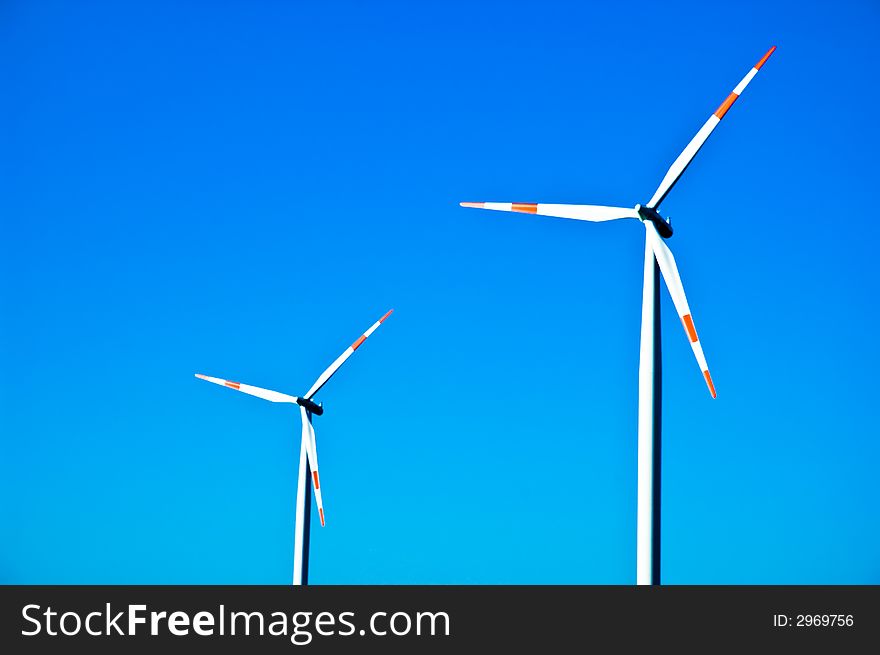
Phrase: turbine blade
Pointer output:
(265, 394)
(327, 374)
(684, 159)
(676, 289)
(308, 437)
(593, 213)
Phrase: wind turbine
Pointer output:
(658, 259)
(308, 454)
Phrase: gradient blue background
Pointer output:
(242, 189)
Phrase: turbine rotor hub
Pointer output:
(650, 214)
(311, 406)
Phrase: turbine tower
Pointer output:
(308, 454)
(658, 260)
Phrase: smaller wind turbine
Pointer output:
(308, 456)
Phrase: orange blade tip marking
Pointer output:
(477, 205)
(709, 383)
(232, 385)
(201, 377)
(387, 314)
(689, 327)
(321, 511)
(357, 343)
(726, 105)
(765, 58)
(315, 476)
(525, 207)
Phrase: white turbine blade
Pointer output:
(684, 159)
(265, 394)
(594, 213)
(676, 290)
(308, 437)
(326, 375)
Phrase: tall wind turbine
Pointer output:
(658, 259)
(308, 454)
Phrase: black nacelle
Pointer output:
(664, 229)
(311, 406)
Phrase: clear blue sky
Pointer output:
(241, 190)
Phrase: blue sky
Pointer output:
(241, 190)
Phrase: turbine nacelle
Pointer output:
(664, 228)
(311, 406)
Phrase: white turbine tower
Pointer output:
(308, 456)
(658, 259)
